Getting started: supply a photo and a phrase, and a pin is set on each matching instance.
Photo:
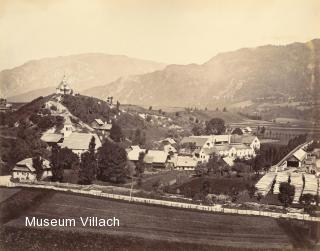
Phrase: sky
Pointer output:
(168, 31)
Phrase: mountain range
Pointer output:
(245, 74)
(267, 71)
(40, 77)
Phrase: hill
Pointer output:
(83, 71)
(246, 74)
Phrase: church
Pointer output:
(64, 88)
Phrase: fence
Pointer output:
(216, 208)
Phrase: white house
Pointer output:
(102, 127)
(134, 153)
(185, 163)
(24, 170)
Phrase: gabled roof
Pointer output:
(199, 141)
(300, 154)
(228, 160)
(225, 147)
(155, 156)
(51, 137)
(169, 140)
(80, 141)
(185, 161)
(240, 146)
(169, 148)
(27, 165)
(133, 154)
(245, 139)
(99, 121)
(219, 138)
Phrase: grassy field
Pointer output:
(6, 193)
(142, 228)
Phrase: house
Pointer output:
(220, 139)
(241, 151)
(185, 163)
(24, 170)
(169, 149)
(297, 158)
(63, 88)
(101, 127)
(156, 158)
(52, 138)
(198, 141)
(67, 129)
(134, 153)
(203, 155)
(249, 140)
(79, 142)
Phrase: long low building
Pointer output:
(297, 182)
(311, 184)
(265, 183)
(281, 177)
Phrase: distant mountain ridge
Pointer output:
(38, 77)
(244, 74)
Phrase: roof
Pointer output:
(170, 140)
(245, 139)
(222, 147)
(27, 165)
(99, 121)
(80, 141)
(133, 155)
(228, 160)
(185, 161)
(240, 146)
(155, 156)
(51, 137)
(199, 141)
(169, 148)
(300, 154)
(219, 138)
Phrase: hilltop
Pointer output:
(40, 77)
(245, 74)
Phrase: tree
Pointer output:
(224, 109)
(258, 163)
(88, 165)
(177, 114)
(201, 170)
(286, 193)
(118, 106)
(37, 163)
(139, 137)
(140, 164)
(214, 164)
(237, 131)
(251, 190)
(112, 161)
(308, 201)
(215, 126)
(116, 132)
(150, 108)
(68, 159)
(160, 111)
(57, 169)
(197, 130)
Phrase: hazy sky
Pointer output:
(170, 31)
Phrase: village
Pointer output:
(215, 165)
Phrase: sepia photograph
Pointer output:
(159, 125)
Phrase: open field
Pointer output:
(154, 224)
(6, 193)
